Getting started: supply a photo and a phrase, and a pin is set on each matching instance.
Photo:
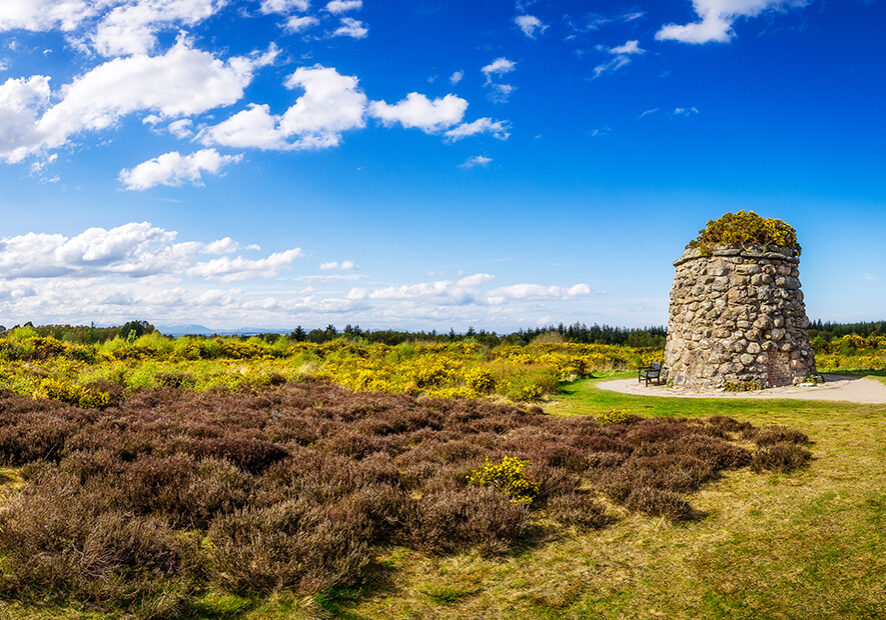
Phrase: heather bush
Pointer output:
(481, 517)
(770, 435)
(783, 457)
(578, 509)
(658, 502)
(288, 545)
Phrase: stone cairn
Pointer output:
(737, 315)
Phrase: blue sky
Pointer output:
(427, 164)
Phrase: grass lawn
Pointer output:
(806, 545)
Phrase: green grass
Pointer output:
(806, 545)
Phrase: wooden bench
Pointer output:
(653, 371)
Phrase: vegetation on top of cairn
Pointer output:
(743, 229)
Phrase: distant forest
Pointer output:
(577, 332)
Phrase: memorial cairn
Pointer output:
(737, 317)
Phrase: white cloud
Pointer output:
(343, 6)
(417, 111)
(498, 129)
(536, 291)
(467, 290)
(685, 111)
(456, 77)
(182, 82)
(298, 24)
(283, 7)
(132, 28)
(174, 169)
(629, 48)
(229, 269)
(181, 128)
(648, 112)
(227, 246)
(351, 27)
(345, 265)
(41, 15)
(498, 67)
(717, 18)
(331, 104)
(476, 160)
(621, 56)
(499, 93)
(141, 271)
(135, 250)
(530, 25)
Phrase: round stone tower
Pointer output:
(737, 313)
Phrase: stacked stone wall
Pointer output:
(737, 315)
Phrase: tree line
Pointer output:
(653, 336)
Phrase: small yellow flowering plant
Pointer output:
(507, 477)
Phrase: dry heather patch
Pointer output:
(141, 506)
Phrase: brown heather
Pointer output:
(143, 506)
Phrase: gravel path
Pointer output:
(835, 387)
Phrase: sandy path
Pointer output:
(835, 387)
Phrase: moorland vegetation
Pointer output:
(148, 476)
(148, 505)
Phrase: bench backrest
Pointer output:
(655, 366)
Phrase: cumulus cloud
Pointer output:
(476, 160)
(350, 27)
(132, 28)
(345, 265)
(498, 67)
(142, 271)
(499, 92)
(498, 129)
(298, 23)
(467, 290)
(530, 25)
(536, 291)
(343, 6)
(182, 82)
(137, 249)
(41, 15)
(716, 18)
(174, 169)
(621, 56)
(417, 111)
(283, 7)
(331, 104)
(456, 77)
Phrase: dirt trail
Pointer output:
(835, 387)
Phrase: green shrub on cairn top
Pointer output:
(743, 229)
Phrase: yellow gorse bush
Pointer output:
(507, 477)
(746, 228)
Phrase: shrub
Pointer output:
(71, 393)
(613, 416)
(770, 435)
(746, 228)
(507, 477)
(288, 545)
(579, 510)
(252, 455)
(659, 503)
(782, 457)
(450, 520)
